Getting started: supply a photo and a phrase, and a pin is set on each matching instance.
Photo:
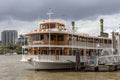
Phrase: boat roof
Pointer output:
(50, 22)
(66, 32)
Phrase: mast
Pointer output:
(49, 19)
(73, 28)
(119, 40)
(49, 14)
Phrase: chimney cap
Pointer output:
(101, 20)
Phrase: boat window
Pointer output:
(37, 37)
(74, 38)
(101, 40)
(44, 52)
(70, 38)
(51, 26)
(89, 40)
(61, 52)
(77, 38)
(105, 41)
(60, 38)
(39, 51)
(109, 41)
(70, 52)
(47, 27)
(96, 40)
(41, 37)
(74, 51)
(53, 37)
(57, 52)
(34, 37)
(47, 36)
(35, 52)
(81, 52)
(43, 27)
(80, 39)
(52, 52)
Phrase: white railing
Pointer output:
(110, 59)
(89, 61)
(26, 57)
(58, 58)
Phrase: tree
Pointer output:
(19, 48)
(2, 49)
(11, 48)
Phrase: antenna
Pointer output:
(119, 29)
(49, 14)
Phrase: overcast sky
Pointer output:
(22, 15)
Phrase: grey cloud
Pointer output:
(66, 9)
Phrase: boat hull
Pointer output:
(51, 65)
(49, 62)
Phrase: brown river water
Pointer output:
(12, 69)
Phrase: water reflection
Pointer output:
(71, 76)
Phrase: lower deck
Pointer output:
(61, 51)
(84, 60)
(87, 63)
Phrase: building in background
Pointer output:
(9, 36)
(23, 40)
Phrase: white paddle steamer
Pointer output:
(53, 46)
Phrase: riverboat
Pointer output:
(53, 46)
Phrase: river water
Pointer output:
(12, 69)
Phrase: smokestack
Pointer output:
(101, 25)
(73, 25)
(102, 33)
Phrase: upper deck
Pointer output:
(52, 25)
(53, 37)
(49, 26)
(59, 35)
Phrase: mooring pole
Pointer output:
(77, 60)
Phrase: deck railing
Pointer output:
(59, 58)
(89, 60)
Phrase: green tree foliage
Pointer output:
(11, 48)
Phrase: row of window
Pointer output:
(91, 40)
(71, 52)
(61, 38)
(46, 37)
(47, 26)
(52, 52)
(50, 26)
